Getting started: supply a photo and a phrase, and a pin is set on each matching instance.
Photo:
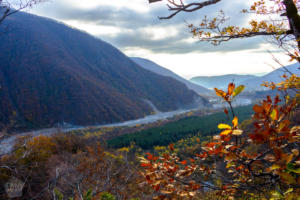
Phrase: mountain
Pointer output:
(51, 73)
(151, 66)
(274, 76)
(220, 82)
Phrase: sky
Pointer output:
(133, 27)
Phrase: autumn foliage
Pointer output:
(261, 163)
(277, 19)
(68, 167)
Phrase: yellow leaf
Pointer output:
(288, 191)
(273, 167)
(274, 114)
(224, 126)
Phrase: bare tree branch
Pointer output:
(7, 8)
(181, 7)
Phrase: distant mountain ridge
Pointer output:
(152, 66)
(51, 73)
(221, 81)
(252, 83)
(274, 76)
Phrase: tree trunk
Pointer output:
(294, 19)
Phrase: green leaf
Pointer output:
(292, 168)
(238, 90)
(88, 195)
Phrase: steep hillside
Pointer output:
(51, 73)
(151, 66)
(274, 76)
(220, 82)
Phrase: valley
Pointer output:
(6, 144)
(102, 100)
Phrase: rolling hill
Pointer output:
(51, 73)
(151, 66)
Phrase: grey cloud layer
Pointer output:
(176, 44)
(132, 24)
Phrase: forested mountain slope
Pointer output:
(51, 73)
(151, 66)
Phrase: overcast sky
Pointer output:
(133, 27)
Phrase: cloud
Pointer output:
(137, 29)
(177, 44)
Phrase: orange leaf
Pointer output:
(235, 121)
(212, 144)
(220, 93)
(258, 109)
(231, 87)
(226, 132)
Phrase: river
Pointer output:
(7, 144)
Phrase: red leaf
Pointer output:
(171, 147)
(145, 164)
(226, 111)
(184, 162)
(150, 156)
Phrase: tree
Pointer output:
(276, 18)
(262, 162)
(8, 7)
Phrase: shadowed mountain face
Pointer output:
(151, 66)
(51, 73)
